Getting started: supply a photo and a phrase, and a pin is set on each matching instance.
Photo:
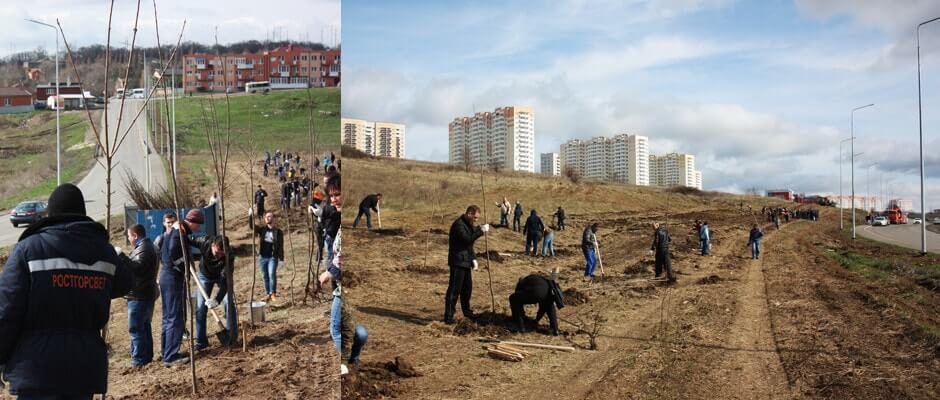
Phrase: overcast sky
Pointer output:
(759, 91)
(85, 21)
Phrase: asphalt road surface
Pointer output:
(131, 158)
(901, 235)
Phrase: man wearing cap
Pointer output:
(173, 287)
(55, 297)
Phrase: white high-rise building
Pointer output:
(504, 139)
(674, 169)
(382, 139)
(551, 164)
(623, 158)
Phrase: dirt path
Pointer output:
(752, 370)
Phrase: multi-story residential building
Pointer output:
(551, 164)
(674, 169)
(389, 139)
(623, 158)
(285, 67)
(504, 139)
(382, 139)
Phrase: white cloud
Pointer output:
(85, 21)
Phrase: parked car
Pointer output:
(883, 221)
(917, 221)
(28, 212)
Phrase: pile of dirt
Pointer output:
(486, 324)
(351, 279)
(375, 380)
(494, 256)
(563, 252)
(641, 267)
(438, 231)
(573, 297)
(710, 280)
(425, 269)
(388, 231)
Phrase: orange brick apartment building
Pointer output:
(285, 67)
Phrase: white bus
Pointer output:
(263, 87)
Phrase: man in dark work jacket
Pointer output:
(460, 259)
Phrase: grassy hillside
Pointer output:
(28, 158)
(279, 119)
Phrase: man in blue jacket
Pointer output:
(704, 237)
(173, 288)
(55, 297)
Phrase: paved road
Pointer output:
(901, 235)
(131, 158)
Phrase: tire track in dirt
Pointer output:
(753, 370)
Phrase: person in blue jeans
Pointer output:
(704, 238)
(548, 243)
(270, 252)
(354, 336)
(754, 241)
(211, 274)
(589, 248)
(144, 263)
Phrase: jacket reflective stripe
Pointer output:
(52, 264)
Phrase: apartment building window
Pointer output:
(273, 70)
(303, 69)
(7, 101)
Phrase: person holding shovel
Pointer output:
(370, 202)
(270, 253)
(213, 261)
(660, 248)
(461, 258)
(173, 287)
(589, 248)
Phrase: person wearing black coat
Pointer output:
(536, 289)
(660, 247)
(55, 297)
(517, 217)
(260, 195)
(370, 202)
(461, 258)
(212, 263)
(533, 232)
(144, 264)
(560, 215)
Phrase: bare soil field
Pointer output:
(807, 320)
(289, 356)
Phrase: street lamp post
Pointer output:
(841, 197)
(58, 103)
(868, 187)
(852, 137)
(920, 123)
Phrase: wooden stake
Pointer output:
(539, 346)
(486, 246)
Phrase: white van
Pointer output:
(138, 93)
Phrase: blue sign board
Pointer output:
(152, 220)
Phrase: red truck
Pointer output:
(896, 216)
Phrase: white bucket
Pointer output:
(256, 310)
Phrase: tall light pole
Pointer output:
(868, 186)
(920, 124)
(58, 103)
(852, 137)
(841, 197)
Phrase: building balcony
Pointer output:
(245, 66)
(200, 66)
